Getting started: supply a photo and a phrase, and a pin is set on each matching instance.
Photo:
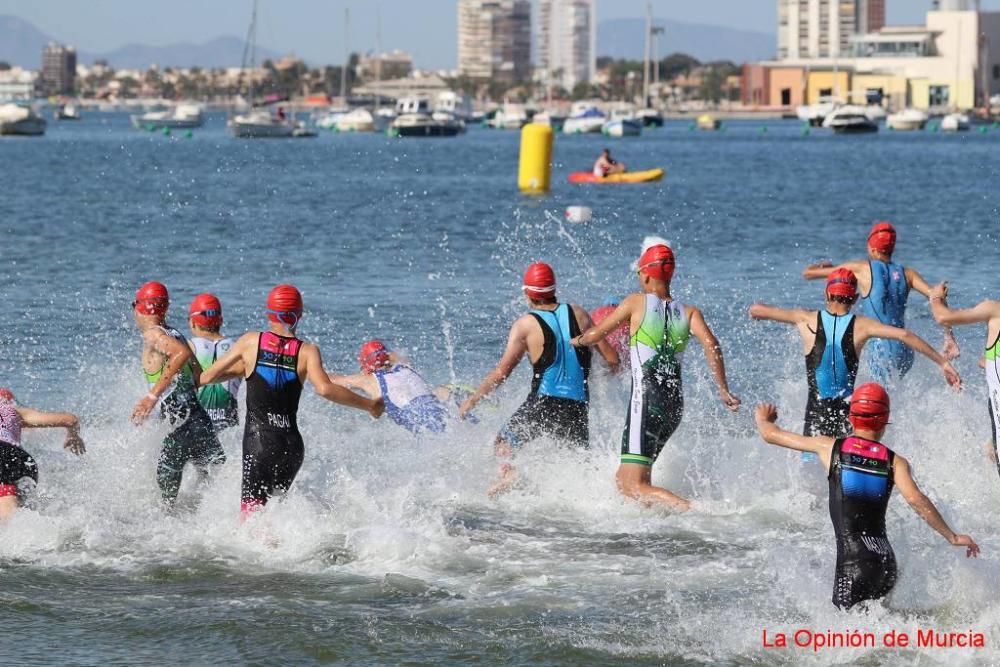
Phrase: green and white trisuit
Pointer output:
(192, 437)
(993, 388)
(219, 400)
(657, 402)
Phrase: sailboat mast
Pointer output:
(645, 61)
(253, 50)
(378, 55)
(343, 71)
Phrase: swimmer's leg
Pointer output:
(635, 481)
(526, 424)
(170, 468)
(9, 501)
(507, 475)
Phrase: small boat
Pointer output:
(815, 114)
(648, 176)
(181, 117)
(327, 120)
(650, 117)
(907, 120)
(424, 125)
(510, 117)
(551, 119)
(359, 120)
(19, 120)
(955, 122)
(68, 111)
(456, 105)
(622, 127)
(850, 119)
(708, 122)
(588, 121)
(261, 124)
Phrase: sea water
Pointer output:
(387, 549)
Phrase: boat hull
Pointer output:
(29, 127)
(261, 130)
(583, 125)
(622, 128)
(140, 122)
(647, 176)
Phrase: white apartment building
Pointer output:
(494, 39)
(823, 28)
(567, 41)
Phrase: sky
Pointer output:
(314, 29)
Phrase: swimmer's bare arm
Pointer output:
(925, 508)
(943, 314)
(517, 345)
(623, 313)
(607, 352)
(32, 418)
(358, 382)
(824, 269)
(865, 328)
(950, 349)
(766, 416)
(713, 355)
(332, 392)
(176, 353)
(233, 364)
(796, 316)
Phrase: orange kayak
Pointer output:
(647, 176)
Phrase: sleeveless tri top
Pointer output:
(860, 485)
(886, 300)
(562, 370)
(10, 424)
(992, 355)
(219, 400)
(410, 401)
(832, 364)
(274, 387)
(658, 345)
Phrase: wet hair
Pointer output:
(204, 328)
(605, 151)
(544, 302)
(847, 301)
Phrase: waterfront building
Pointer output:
(16, 85)
(494, 40)
(58, 69)
(567, 41)
(824, 28)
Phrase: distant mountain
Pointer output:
(21, 43)
(623, 38)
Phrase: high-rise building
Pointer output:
(494, 40)
(58, 69)
(823, 28)
(567, 41)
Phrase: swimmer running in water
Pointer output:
(15, 463)
(409, 400)
(171, 373)
(832, 340)
(605, 165)
(987, 312)
(208, 345)
(276, 364)
(557, 405)
(885, 288)
(862, 473)
(661, 328)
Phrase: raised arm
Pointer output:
(766, 417)
(32, 418)
(331, 391)
(950, 350)
(945, 315)
(606, 351)
(232, 364)
(177, 354)
(762, 311)
(866, 328)
(623, 313)
(517, 345)
(922, 505)
(824, 269)
(713, 355)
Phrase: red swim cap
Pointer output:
(284, 305)
(882, 238)
(539, 282)
(373, 356)
(152, 299)
(657, 263)
(869, 407)
(6, 395)
(842, 282)
(206, 311)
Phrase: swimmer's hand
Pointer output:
(376, 408)
(939, 291)
(950, 350)
(729, 400)
(74, 443)
(466, 407)
(982, 362)
(766, 413)
(971, 548)
(951, 376)
(142, 409)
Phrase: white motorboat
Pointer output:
(510, 117)
(327, 120)
(68, 111)
(623, 123)
(956, 122)
(875, 112)
(181, 117)
(425, 125)
(815, 114)
(261, 124)
(550, 119)
(850, 119)
(907, 120)
(359, 120)
(455, 105)
(590, 120)
(650, 117)
(19, 120)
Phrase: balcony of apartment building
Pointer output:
(895, 43)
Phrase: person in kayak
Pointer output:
(219, 400)
(832, 340)
(606, 165)
(276, 363)
(988, 313)
(16, 465)
(885, 288)
(862, 472)
(558, 402)
(661, 328)
(171, 373)
(409, 400)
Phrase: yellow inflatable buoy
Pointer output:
(534, 174)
